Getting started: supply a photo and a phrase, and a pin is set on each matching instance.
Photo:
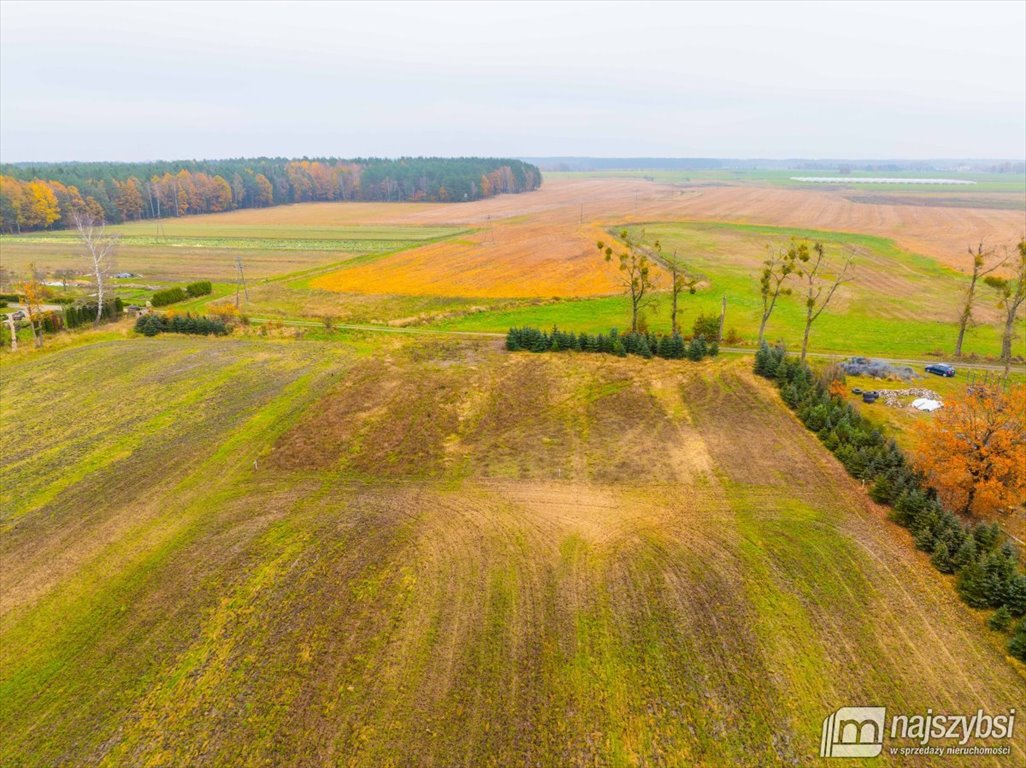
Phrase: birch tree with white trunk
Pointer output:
(101, 247)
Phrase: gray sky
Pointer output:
(124, 81)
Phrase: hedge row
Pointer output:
(200, 288)
(168, 296)
(177, 293)
(642, 344)
(985, 564)
(152, 324)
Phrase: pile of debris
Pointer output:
(878, 369)
(920, 399)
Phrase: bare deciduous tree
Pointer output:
(965, 319)
(819, 291)
(636, 273)
(101, 247)
(680, 281)
(775, 272)
(65, 276)
(1011, 295)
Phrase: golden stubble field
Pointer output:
(399, 552)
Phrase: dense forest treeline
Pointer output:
(44, 195)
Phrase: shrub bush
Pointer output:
(732, 338)
(199, 288)
(706, 327)
(168, 296)
(52, 322)
(1000, 620)
(1017, 647)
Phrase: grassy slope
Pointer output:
(445, 555)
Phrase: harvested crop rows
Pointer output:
(442, 554)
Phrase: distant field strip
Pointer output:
(363, 245)
(876, 180)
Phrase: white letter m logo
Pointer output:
(853, 732)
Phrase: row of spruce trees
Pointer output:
(671, 347)
(75, 315)
(984, 562)
(152, 324)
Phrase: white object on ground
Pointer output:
(926, 404)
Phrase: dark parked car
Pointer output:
(941, 369)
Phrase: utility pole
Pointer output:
(160, 222)
(240, 280)
(723, 317)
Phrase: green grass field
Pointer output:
(392, 551)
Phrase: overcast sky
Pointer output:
(124, 81)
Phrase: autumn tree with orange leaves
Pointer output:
(974, 450)
(33, 293)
